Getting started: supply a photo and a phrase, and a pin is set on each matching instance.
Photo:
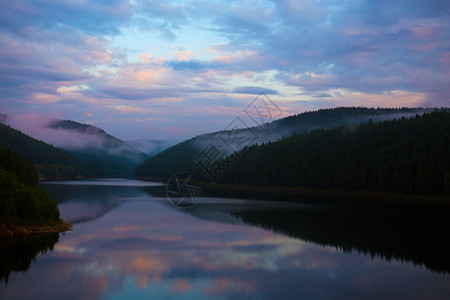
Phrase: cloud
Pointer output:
(92, 18)
(131, 93)
(254, 90)
(362, 47)
(208, 57)
(73, 88)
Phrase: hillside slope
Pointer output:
(103, 153)
(50, 161)
(182, 157)
(150, 147)
(407, 156)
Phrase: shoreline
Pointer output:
(77, 177)
(440, 200)
(8, 231)
(361, 195)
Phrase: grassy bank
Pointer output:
(10, 230)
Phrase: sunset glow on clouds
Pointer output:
(174, 69)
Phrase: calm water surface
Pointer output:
(129, 242)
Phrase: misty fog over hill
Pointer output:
(150, 147)
(102, 153)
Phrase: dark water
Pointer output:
(129, 242)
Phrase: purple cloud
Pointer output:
(254, 90)
(60, 57)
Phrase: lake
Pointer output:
(130, 242)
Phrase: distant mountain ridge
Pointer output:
(150, 147)
(101, 153)
(51, 162)
(146, 146)
(81, 128)
(181, 157)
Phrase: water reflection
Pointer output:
(146, 248)
(405, 232)
(91, 199)
(16, 255)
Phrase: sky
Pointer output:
(170, 70)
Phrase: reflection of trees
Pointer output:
(18, 254)
(405, 232)
(63, 193)
(98, 199)
(417, 233)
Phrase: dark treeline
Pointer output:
(406, 232)
(51, 161)
(176, 159)
(100, 163)
(408, 155)
(22, 201)
(394, 231)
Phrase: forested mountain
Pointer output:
(408, 155)
(102, 153)
(183, 156)
(173, 160)
(50, 161)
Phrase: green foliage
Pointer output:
(22, 204)
(21, 200)
(24, 170)
(409, 156)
